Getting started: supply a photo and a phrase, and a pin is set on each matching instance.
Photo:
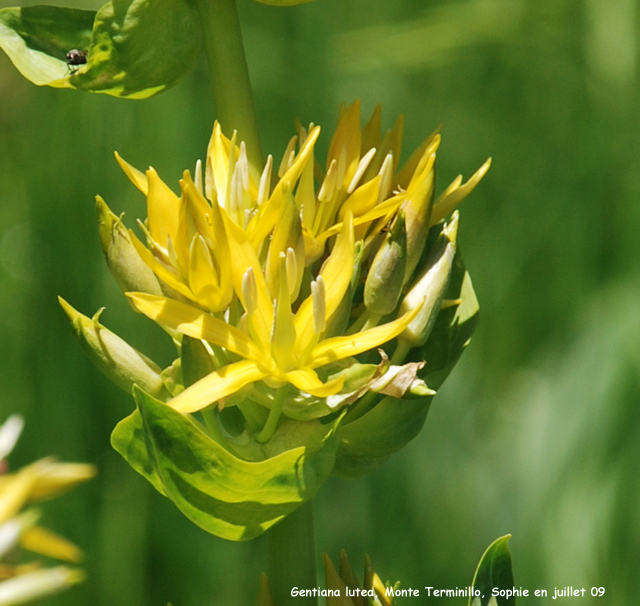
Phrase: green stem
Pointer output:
(291, 559)
(274, 415)
(402, 349)
(229, 74)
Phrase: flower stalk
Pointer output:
(231, 86)
(291, 557)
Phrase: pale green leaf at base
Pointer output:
(225, 495)
(129, 442)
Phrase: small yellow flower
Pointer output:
(19, 527)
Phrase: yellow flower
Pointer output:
(243, 262)
(278, 346)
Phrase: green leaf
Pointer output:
(128, 440)
(225, 495)
(494, 571)
(37, 38)
(136, 48)
(371, 439)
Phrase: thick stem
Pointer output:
(291, 557)
(229, 74)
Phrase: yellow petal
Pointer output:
(446, 204)
(337, 348)
(388, 207)
(432, 142)
(266, 217)
(204, 279)
(371, 132)
(138, 178)
(53, 478)
(286, 234)
(194, 323)
(217, 164)
(45, 542)
(347, 136)
(308, 381)
(243, 255)
(362, 200)
(199, 210)
(167, 275)
(216, 386)
(163, 208)
(16, 491)
(336, 273)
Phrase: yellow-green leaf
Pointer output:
(226, 495)
(134, 48)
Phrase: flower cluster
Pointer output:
(275, 287)
(23, 582)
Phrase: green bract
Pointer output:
(232, 496)
(134, 48)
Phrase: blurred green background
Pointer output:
(537, 431)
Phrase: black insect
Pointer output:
(75, 58)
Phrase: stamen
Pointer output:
(329, 184)
(386, 175)
(171, 251)
(158, 251)
(287, 157)
(248, 215)
(265, 181)
(243, 164)
(249, 291)
(319, 305)
(362, 167)
(292, 270)
(236, 203)
(198, 177)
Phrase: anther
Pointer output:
(362, 167)
(249, 291)
(319, 305)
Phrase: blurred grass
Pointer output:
(537, 431)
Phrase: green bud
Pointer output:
(428, 290)
(125, 264)
(120, 362)
(385, 279)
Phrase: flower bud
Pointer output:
(384, 281)
(429, 289)
(120, 362)
(125, 264)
